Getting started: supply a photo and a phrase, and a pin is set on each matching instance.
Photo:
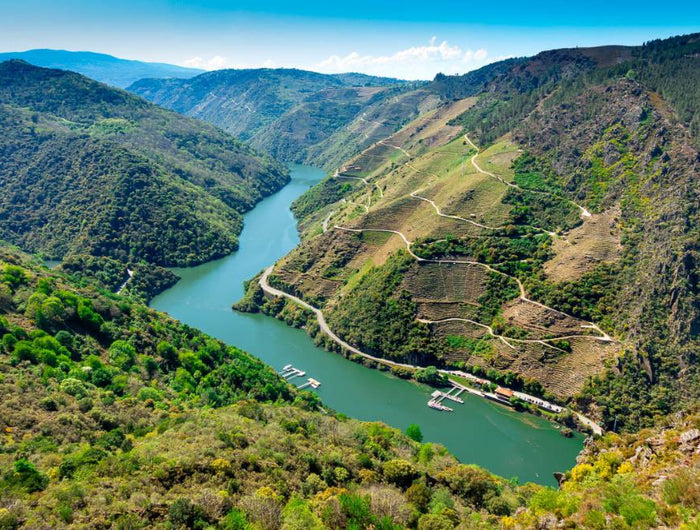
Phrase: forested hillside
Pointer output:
(540, 227)
(94, 170)
(115, 416)
(284, 112)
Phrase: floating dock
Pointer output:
(311, 382)
(436, 402)
(454, 397)
(437, 397)
(289, 372)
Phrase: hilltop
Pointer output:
(89, 169)
(99, 66)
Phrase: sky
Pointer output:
(407, 39)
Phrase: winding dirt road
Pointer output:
(584, 212)
(131, 275)
(604, 337)
(267, 288)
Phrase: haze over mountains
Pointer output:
(100, 67)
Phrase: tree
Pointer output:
(28, 477)
(297, 515)
(122, 354)
(435, 521)
(430, 376)
(419, 495)
(5, 297)
(471, 483)
(414, 433)
(183, 513)
(14, 276)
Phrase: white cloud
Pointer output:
(213, 63)
(218, 62)
(416, 62)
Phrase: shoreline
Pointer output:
(524, 403)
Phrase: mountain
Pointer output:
(283, 112)
(99, 66)
(116, 416)
(89, 169)
(537, 225)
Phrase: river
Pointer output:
(479, 431)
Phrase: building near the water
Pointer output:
(504, 394)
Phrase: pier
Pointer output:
(437, 397)
(311, 382)
(289, 372)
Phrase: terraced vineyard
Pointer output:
(429, 190)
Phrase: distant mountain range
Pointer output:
(101, 67)
(284, 112)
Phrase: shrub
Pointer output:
(399, 472)
(414, 433)
(122, 354)
(435, 521)
(357, 510)
(419, 495)
(471, 483)
(430, 376)
(148, 392)
(14, 276)
(183, 513)
(235, 520)
(74, 387)
(27, 477)
(296, 515)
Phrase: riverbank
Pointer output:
(478, 432)
(484, 387)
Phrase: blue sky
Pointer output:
(408, 39)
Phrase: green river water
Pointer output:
(479, 431)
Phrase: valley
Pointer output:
(286, 299)
(478, 431)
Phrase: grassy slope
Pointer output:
(335, 269)
(598, 133)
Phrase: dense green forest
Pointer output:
(94, 170)
(114, 416)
